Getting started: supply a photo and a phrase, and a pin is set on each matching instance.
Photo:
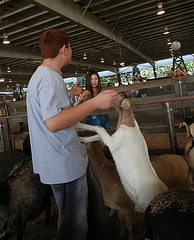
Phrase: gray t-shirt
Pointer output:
(57, 157)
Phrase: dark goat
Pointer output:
(189, 120)
(8, 159)
(170, 215)
(22, 198)
(26, 145)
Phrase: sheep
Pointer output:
(189, 148)
(170, 215)
(22, 198)
(130, 153)
(171, 169)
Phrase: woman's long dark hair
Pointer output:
(88, 80)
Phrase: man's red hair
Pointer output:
(51, 41)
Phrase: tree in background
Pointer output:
(147, 73)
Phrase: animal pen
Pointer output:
(158, 115)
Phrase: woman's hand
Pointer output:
(76, 90)
(82, 97)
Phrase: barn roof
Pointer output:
(126, 30)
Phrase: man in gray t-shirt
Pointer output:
(57, 154)
(47, 96)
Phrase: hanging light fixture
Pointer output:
(85, 56)
(114, 63)
(169, 42)
(8, 69)
(102, 60)
(5, 35)
(166, 31)
(122, 64)
(171, 50)
(6, 39)
(160, 9)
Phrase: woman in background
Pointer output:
(93, 88)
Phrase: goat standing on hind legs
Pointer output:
(138, 177)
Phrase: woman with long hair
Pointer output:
(93, 88)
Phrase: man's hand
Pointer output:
(105, 99)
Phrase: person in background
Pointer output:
(57, 154)
(93, 88)
(142, 92)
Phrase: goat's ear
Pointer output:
(125, 104)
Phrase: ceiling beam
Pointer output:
(69, 10)
(33, 54)
(19, 52)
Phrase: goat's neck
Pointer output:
(187, 130)
(126, 117)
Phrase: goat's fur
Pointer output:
(130, 153)
(23, 198)
(171, 169)
(113, 193)
(189, 148)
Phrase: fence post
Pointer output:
(181, 94)
(170, 119)
(1, 136)
(6, 110)
(5, 133)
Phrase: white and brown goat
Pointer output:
(130, 153)
(189, 148)
(171, 169)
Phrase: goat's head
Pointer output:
(122, 101)
(189, 124)
(189, 120)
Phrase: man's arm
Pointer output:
(70, 116)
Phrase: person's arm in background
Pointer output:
(82, 97)
(70, 116)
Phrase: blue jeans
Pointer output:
(80, 209)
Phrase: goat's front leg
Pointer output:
(101, 136)
(90, 139)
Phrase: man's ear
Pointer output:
(63, 49)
